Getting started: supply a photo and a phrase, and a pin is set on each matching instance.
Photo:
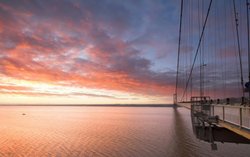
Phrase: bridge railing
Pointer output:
(237, 115)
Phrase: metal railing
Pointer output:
(237, 115)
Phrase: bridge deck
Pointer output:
(233, 117)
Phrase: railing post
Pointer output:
(227, 101)
(218, 101)
(223, 113)
(240, 117)
(212, 110)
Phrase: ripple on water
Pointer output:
(102, 132)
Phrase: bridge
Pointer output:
(223, 122)
(208, 73)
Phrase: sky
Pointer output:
(217, 68)
(104, 51)
(87, 51)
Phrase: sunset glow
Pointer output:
(115, 52)
(81, 52)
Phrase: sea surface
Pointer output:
(66, 131)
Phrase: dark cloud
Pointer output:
(109, 44)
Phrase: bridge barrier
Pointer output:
(237, 115)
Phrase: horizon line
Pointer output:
(94, 105)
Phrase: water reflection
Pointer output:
(206, 127)
(182, 133)
(103, 131)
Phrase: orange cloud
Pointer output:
(76, 52)
(11, 88)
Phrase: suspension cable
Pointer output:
(197, 50)
(238, 44)
(179, 47)
(248, 44)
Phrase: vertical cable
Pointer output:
(239, 51)
(198, 47)
(248, 45)
(178, 55)
(199, 19)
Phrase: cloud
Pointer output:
(123, 46)
(127, 46)
(20, 90)
(15, 88)
(83, 43)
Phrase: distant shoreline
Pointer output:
(94, 105)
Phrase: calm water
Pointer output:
(104, 132)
